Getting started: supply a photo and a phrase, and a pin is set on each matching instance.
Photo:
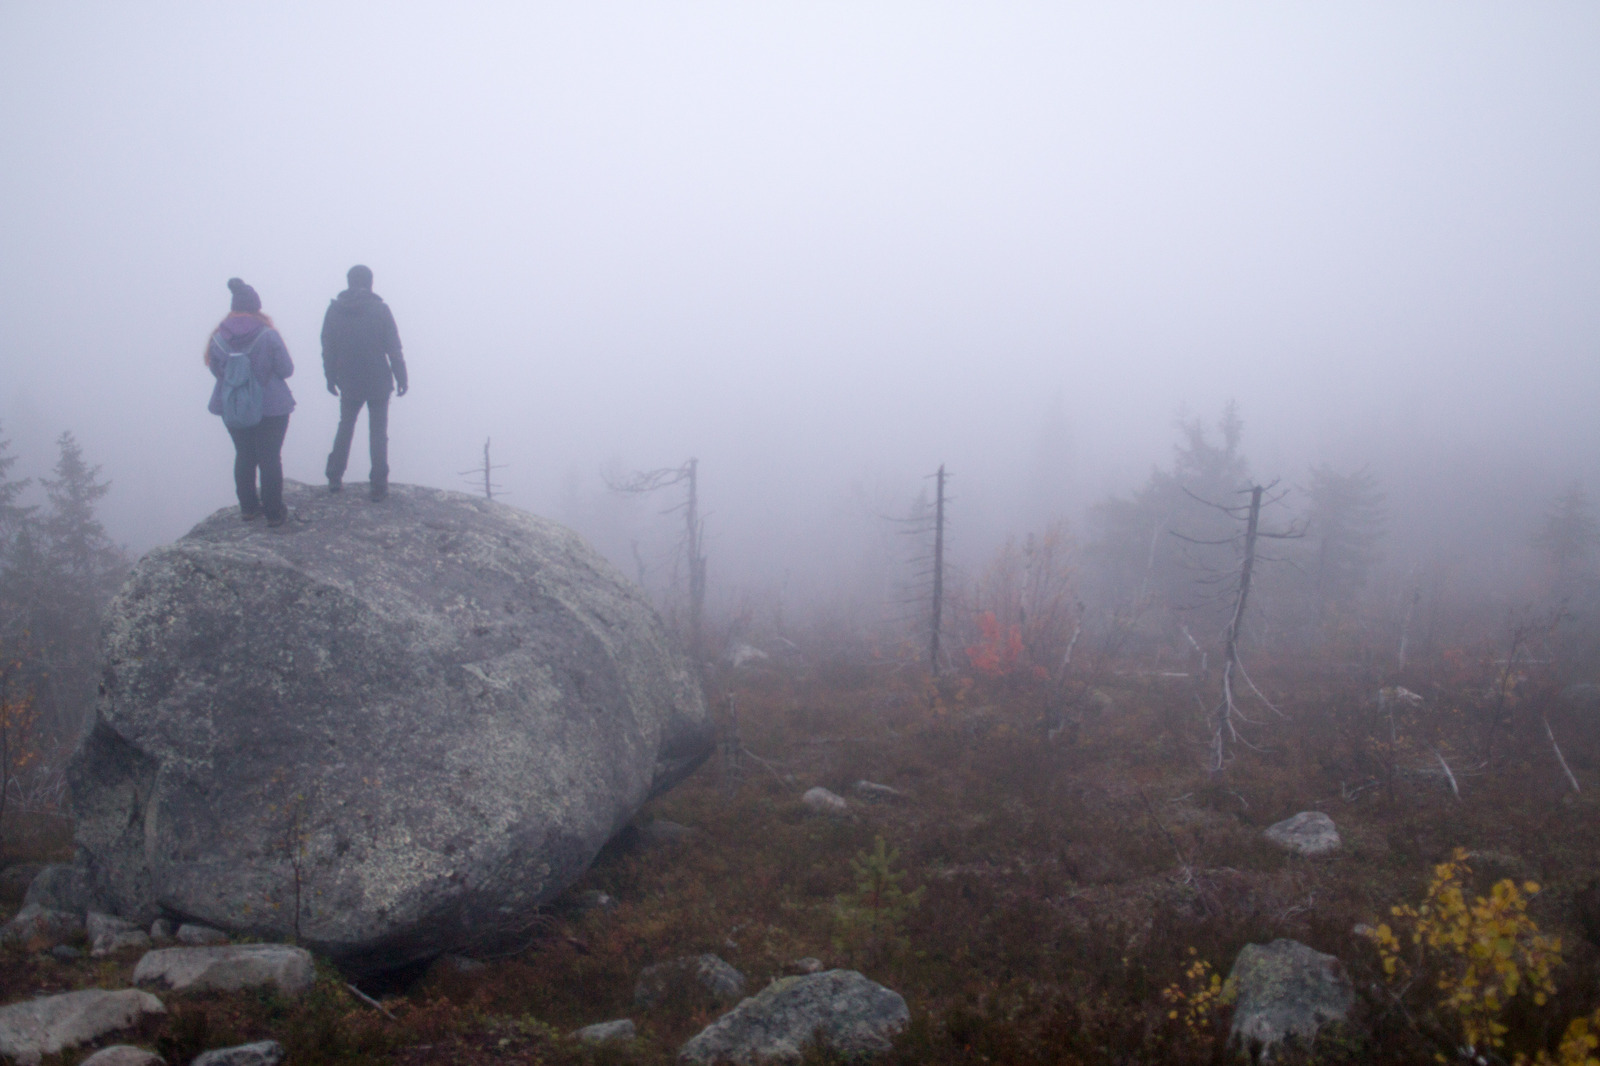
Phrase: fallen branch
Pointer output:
(1455, 791)
(369, 1001)
(1573, 781)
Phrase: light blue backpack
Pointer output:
(241, 390)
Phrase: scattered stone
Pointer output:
(593, 900)
(462, 964)
(806, 965)
(264, 1053)
(1285, 992)
(1582, 694)
(1308, 833)
(819, 800)
(124, 1055)
(461, 702)
(65, 953)
(607, 1032)
(37, 928)
(15, 879)
(109, 934)
(228, 969)
(839, 1011)
(746, 655)
(695, 975)
(50, 1024)
(664, 833)
(60, 887)
(163, 929)
(200, 936)
(871, 790)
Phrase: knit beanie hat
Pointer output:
(244, 297)
(359, 277)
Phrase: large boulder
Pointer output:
(1286, 992)
(386, 731)
(50, 1024)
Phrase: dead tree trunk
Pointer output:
(1227, 710)
(697, 559)
(938, 571)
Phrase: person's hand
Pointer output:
(401, 388)
(334, 389)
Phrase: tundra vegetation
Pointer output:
(1045, 849)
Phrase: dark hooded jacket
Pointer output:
(361, 346)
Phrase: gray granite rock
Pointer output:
(199, 936)
(262, 1053)
(838, 1011)
(607, 1032)
(15, 879)
(228, 969)
(123, 1055)
(50, 1024)
(36, 928)
(1285, 991)
(819, 800)
(109, 934)
(692, 976)
(163, 929)
(390, 732)
(61, 887)
(1309, 833)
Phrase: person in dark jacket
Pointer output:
(257, 448)
(363, 362)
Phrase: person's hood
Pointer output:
(356, 301)
(240, 327)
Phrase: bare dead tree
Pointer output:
(1226, 715)
(484, 474)
(646, 481)
(938, 571)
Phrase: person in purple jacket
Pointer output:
(258, 447)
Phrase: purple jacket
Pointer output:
(270, 361)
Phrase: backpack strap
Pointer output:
(216, 338)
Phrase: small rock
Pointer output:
(840, 1011)
(264, 1053)
(124, 1055)
(37, 928)
(61, 887)
(806, 965)
(820, 801)
(746, 655)
(163, 929)
(15, 879)
(45, 1026)
(65, 953)
(697, 975)
(199, 936)
(1308, 833)
(607, 1032)
(108, 934)
(1582, 694)
(593, 900)
(228, 968)
(873, 791)
(664, 833)
(1285, 992)
(462, 964)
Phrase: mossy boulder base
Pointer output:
(389, 731)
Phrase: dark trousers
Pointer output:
(260, 447)
(377, 435)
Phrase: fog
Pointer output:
(824, 248)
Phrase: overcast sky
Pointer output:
(823, 246)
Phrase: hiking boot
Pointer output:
(277, 520)
(380, 492)
(248, 516)
(335, 485)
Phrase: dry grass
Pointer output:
(1064, 882)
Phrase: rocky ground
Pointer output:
(1031, 900)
